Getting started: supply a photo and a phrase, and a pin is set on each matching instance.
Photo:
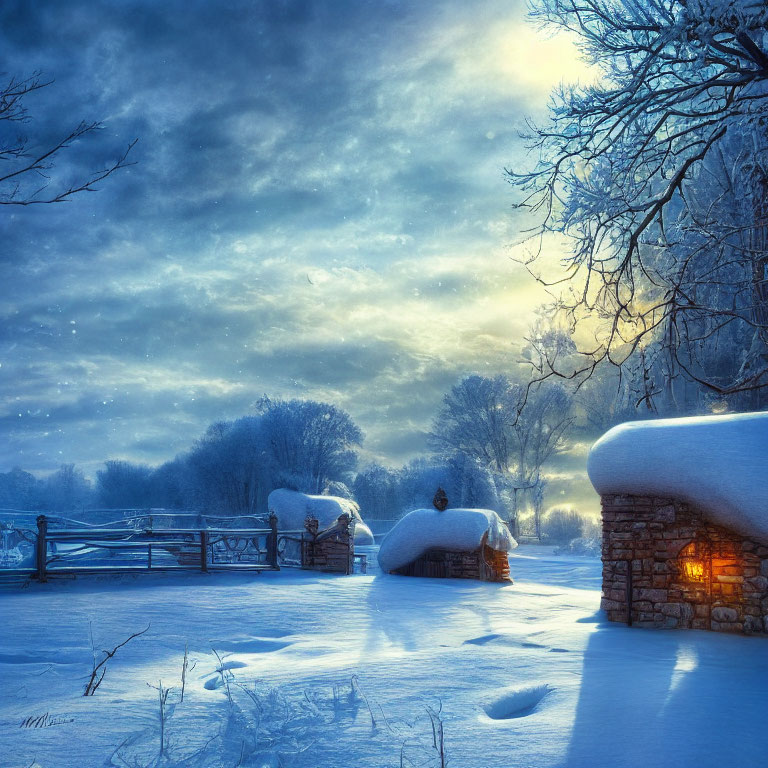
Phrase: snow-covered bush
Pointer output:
(560, 525)
(582, 547)
(264, 726)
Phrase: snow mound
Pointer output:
(453, 529)
(292, 508)
(715, 463)
(252, 645)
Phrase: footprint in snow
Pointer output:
(516, 702)
(213, 684)
(231, 665)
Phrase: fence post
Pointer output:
(308, 548)
(204, 551)
(272, 541)
(41, 551)
(350, 533)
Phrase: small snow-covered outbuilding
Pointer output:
(292, 509)
(685, 522)
(454, 543)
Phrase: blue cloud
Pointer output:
(317, 210)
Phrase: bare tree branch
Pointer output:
(658, 172)
(25, 175)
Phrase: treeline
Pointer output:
(232, 468)
(489, 446)
(486, 450)
(65, 489)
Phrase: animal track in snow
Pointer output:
(517, 702)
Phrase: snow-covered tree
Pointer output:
(475, 420)
(376, 491)
(308, 443)
(123, 485)
(171, 485)
(19, 490)
(67, 489)
(472, 484)
(228, 467)
(658, 172)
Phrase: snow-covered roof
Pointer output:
(292, 508)
(718, 464)
(454, 529)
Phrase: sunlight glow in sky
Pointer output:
(318, 210)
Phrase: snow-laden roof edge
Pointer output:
(718, 464)
(454, 529)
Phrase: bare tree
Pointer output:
(475, 420)
(309, 443)
(26, 169)
(658, 172)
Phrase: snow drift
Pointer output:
(453, 529)
(718, 464)
(292, 508)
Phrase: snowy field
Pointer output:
(322, 670)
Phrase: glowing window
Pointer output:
(692, 562)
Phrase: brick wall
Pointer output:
(678, 570)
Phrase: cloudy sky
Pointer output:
(317, 210)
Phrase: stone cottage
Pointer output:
(685, 522)
(448, 544)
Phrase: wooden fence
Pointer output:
(72, 550)
(58, 546)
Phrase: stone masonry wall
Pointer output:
(331, 550)
(643, 539)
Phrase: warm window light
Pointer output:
(692, 564)
(693, 570)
